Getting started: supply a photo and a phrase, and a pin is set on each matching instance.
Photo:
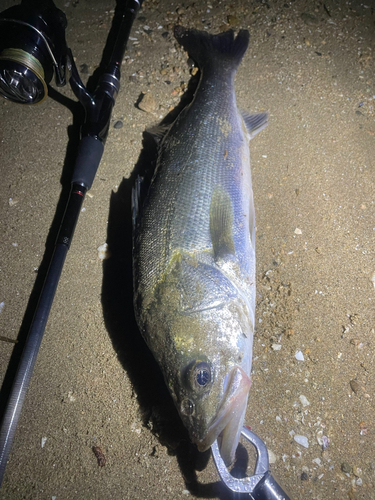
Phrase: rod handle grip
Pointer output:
(89, 155)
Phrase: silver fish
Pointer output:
(194, 249)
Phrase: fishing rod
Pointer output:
(33, 49)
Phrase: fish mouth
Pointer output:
(227, 425)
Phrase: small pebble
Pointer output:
(363, 428)
(271, 457)
(319, 437)
(372, 279)
(191, 63)
(70, 397)
(302, 440)
(103, 252)
(43, 441)
(299, 356)
(309, 19)
(2, 304)
(135, 428)
(99, 456)
(346, 468)
(304, 400)
(233, 20)
(84, 69)
(297, 231)
(118, 124)
(147, 103)
(354, 385)
(276, 347)
(357, 471)
(325, 442)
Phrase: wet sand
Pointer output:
(95, 384)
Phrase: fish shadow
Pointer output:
(156, 407)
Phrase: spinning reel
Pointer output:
(32, 49)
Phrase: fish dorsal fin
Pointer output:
(221, 224)
(136, 197)
(254, 122)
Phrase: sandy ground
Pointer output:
(95, 383)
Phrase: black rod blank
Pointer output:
(89, 156)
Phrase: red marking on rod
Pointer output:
(79, 192)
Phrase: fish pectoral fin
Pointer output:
(221, 224)
(158, 132)
(254, 122)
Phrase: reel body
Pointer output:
(32, 49)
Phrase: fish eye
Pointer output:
(201, 375)
(198, 376)
(187, 407)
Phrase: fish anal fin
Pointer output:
(254, 122)
(221, 224)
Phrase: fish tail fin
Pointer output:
(224, 49)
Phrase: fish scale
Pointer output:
(194, 249)
(191, 221)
